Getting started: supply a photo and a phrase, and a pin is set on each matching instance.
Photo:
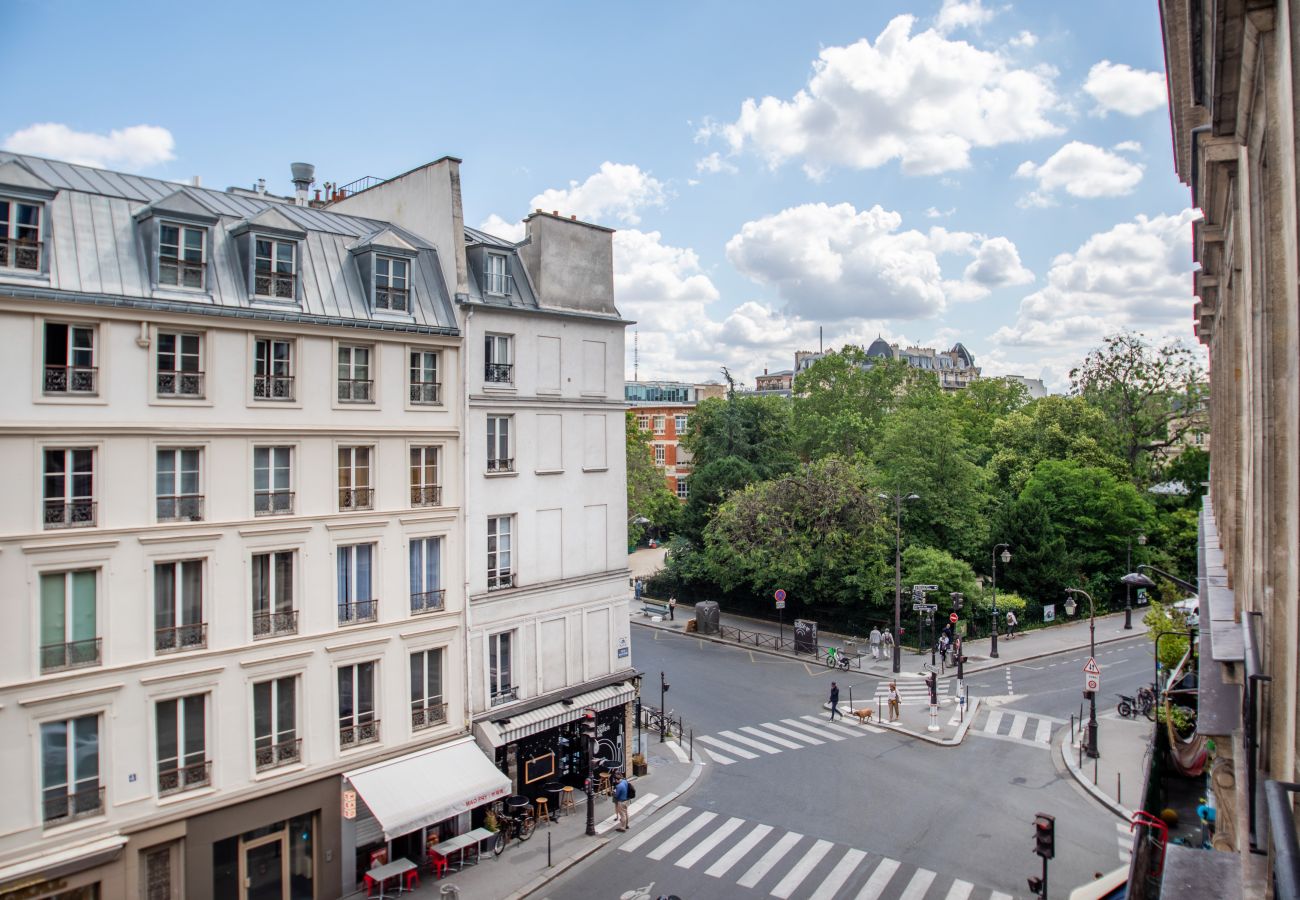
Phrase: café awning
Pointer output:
(519, 725)
(427, 786)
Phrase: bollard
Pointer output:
(1094, 771)
(548, 848)
(1071, 728)
(692, 749)
(1119, 794)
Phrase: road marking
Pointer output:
(677, 751)
(706, 845)
(734, 855)
(879, 879)
(801, 870)
(769, 859)
(960, 890)
(795, 723)
(729, 748)
(994, 722)
(771, 737)
(1044, 733)
(651, 830)
(680, 837)
(798, 735)
(839, 729)
(840, 874)
(917, 887)
(1018, 723)
(717, 757)
(998, 895)
(732, 736)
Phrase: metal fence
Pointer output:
(653, 719)
(831, 656)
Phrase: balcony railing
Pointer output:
(426, 495)
(71, 379)
(357, 733)
(267, 624)
(180, 637)
(61, 807)
(180, 508)
(358, 611)
(270, 756)
(78, 513)
(274, 284)
(505, 695)
(499, 580)
(356, 390)
(272, 503)
(173, 779)
(500, 464)
(16, 253)
(71, 655)
(428, 715)
(498, 373)
(356, 498)
(425, 391)
(428, 601)
(498, 283)
(273, 387)
(180, 272)
(172, 383)
(394, 298)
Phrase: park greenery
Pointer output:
(805, 493)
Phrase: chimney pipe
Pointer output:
(303, 176)
(261, 185)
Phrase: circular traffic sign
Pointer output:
(952, 617)
(779, 595)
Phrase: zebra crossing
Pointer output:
(1030, 729)
(787, 864)
(735, 745)
(913, 692)
(1125, 838)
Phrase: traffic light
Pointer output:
(1035, 886)
(958, 600)
(663, 684)
(589, 726)
(1045, 835)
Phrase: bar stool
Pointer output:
(604, 783)
(543, 817)
(567, 803)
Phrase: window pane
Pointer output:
(166, 473)
(366, 690)
(56, 344)
(285, 708)
(165, 716)
(85, 760)
(169, 239)
(345, 692)
(83, 606)
(262, 710)
(435, 676)
(164, 595)
(54, 754)
(195, 739)
(191, 592)
(53, 609)
(283, 582)
(261, 582)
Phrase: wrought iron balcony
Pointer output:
(500, 464)
(172, 383)
(428, 715)
(358, 611)
(173, 779)
(499, 373)
(274, 284)
(268, 624)
(271, 756)
(71, 655)
(180, 508)
(499, 580)
(425, 392)
(272, 503)
(61, 807)
(180, 637)
(77, 513)
(181, 272)
(394, 298)
(356, 390)
(357, 733)
(273, 387)
(428, 601)
(16, 253)
(356, 498)
(426, 495)
(71, 380)
(505, 695)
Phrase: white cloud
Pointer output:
(997, 264)
(138, 146)
(955, 14)
(618, 189)
(499, 227)
(921, 99)
(1025, 39)
(650, 272)
(1083, 170)
(1128, 147)
(935, 213)
(714, 164)
(1120, 88)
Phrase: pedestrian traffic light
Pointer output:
(1035, 886)
(663, 684)
(589, 725)
(958, 600)
(1045, 835)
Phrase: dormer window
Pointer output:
(494, 275)
(20, 235)
(181, 255)
(392, 284)
(274, 268)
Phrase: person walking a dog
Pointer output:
(894, 702)
(835, 701)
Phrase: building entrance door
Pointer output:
(265, 865)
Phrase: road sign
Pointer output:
(1091, 667)
(925, 607)
(779, 595)
(780, 604)
(924, 587)
(926, 667)
(1092, 682)
(952, 617)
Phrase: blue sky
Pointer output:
(994, 173)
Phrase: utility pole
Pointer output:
(589, 735)
(1006, 558)
(663, 709)
(898, 497)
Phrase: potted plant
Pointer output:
(639, 765)
(490, 821)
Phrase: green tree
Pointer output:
(981, 405)
(1192, 468)
(930, 565)
(840, 402)
(648, 496)
(1051, 427)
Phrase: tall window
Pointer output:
(683, 489)
(499, 573)
(427, 706)
(272, 369)
(679, 424)
(70, 785)
(357, 722)
(425, 488)
(355, 384)
(660, 424)
(660, 454)
(69, 621)
(180, 255)
(70, 359)
(494, 274)
(271, 480)
(182, 743)
(498, 368)
(275, 723)
(357, 603)
(69, 486)
(426, 575)
(178, 606)
(355, 491)
(180, 368)
(274, 269)
(20, 235)
(179, 497)
(392, 284)
(499, 671)
(273, 611)
(499, 458)
(424, 377)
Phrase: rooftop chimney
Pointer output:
(260, 187)
(303, 177)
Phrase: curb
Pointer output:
(997, 664)
(1098, 794)
(953, 741)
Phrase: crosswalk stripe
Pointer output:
(654, 828)
(1018, 722)
(839, 729)
(960, 890)
(998, 895)
(840, 874)
(771, 737)
(732, 736)
(995, 720)
(718, 757)
(799, 735)
(736, 853)
(706, 845)
(769, 859)
(917, 887)
(677, 751)
(680, 837)
(876, 884)
(1044, 733)
(795, 723)
(801, 869)
(728, 748)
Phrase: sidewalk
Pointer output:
(1115, 779)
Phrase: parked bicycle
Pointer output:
(836, 659)
(1144, 703)
(521, 826)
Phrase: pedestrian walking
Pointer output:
(894, 702)
(887, 643)
(1011, 624)
(944, 644)
(620, 801)
(672, 607)
(875, 642)
(835, 701)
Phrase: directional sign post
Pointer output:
(779, 596)
(1091, 675)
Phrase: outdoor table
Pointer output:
(517, 804)
(395, 869)
(553, 790)
(460, 843)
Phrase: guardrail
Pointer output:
(842, 658)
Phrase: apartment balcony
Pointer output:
(182, 385)
(59, 807)
(426, 495)
(356, 498)
(16, 253)
(499, 373)
(273, 503)
(180, 638)
(279, 285)
(273, 387)
(428, 715)
(180, 508)
(78, 513)
(72, 655)
(500, 465)
(72, 380)
(186, 273)
(505, 695)
(426, 392)
(498, 283)
(272, 756)
(273, 624)
(356, 390)
(357, 733)
(358, 612)
(428, 601)
(174, 779)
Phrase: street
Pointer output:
(791, 807)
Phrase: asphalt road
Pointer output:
(873, 815)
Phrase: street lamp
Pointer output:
(1006, 558)
(1137, 579)
(1090, 740)
(899, 498)
(1128, 588)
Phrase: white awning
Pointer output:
(428, 786)
(519, 725)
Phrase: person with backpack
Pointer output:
(623, 792)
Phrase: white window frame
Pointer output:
(356, 464)
(357, 390)
(280, 732)
(501, 688)
(69, 616)
(352, 607)
(680, 423)
(273, 367)
(275, 485)
(275, 603)
(419, 670)
(420, 583)
(182, 257)
(185, 383)
(274, 270)
(74, 782)
(661, 455)
(498, 351)
(422, 458)
(500, 444)
(357, 726)
(500, 559)
(419, 391)
(77, 510)
(683, 488)
(390, 280)
(496, 278)
(184, 763)
(77, 361)
(643, 423)
(185, 635)
(186, 506)
(10, 225)
(661, 424)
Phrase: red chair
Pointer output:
(413, 878)
(371, 884)
(438, 862)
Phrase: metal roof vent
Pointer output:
(303, 176)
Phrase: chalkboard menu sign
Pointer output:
(539, 767)
(805, 636)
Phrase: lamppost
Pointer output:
(1128, 588)
(898, 497)
(1090, 739)
(1006, 558)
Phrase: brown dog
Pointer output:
(864, 715)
